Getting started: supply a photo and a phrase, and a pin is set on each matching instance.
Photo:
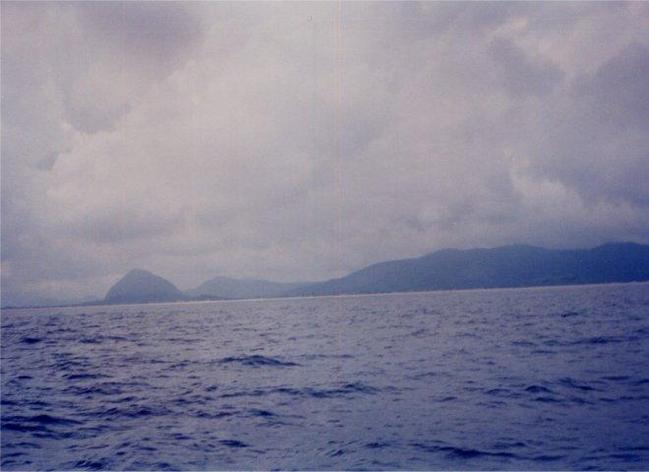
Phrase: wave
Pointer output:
(572, 383)
(41, 419)
(313, 392)
(461, 452)
(257, 361)
(262, 413)
(537, 389)
(233, 443)
(88, 464)
(85, 376)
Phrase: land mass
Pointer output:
(447, 269)
(226, 287)
(141, 286)
(507, 266)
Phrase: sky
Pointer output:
(301, 141)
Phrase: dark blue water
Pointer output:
(551, 378)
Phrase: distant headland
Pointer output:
(447, 269)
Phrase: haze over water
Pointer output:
(543, 378)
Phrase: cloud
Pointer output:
(303, 141)
(522, 75)
(596, 141)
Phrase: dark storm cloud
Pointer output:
(598, 139)
(133, 44)
(520, 74)
(619, 88)
(301, 141)
(159, 33)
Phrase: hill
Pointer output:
(141, 286)
(226, 287)
(507, 266)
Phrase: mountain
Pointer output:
(507, 266)
(226, 287)
(141, 286)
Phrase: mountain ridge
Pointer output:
(238, 288)
(500, 267)
(509, 266)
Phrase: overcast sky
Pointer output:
(302, 141)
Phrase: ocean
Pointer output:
(537, 378)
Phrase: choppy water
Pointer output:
(552, 378)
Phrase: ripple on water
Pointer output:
(257, 361)
(348, 389)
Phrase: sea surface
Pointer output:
(540, 378)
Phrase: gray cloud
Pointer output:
(522, 75)
(619, 88)
(301, 141)
(596, 141)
